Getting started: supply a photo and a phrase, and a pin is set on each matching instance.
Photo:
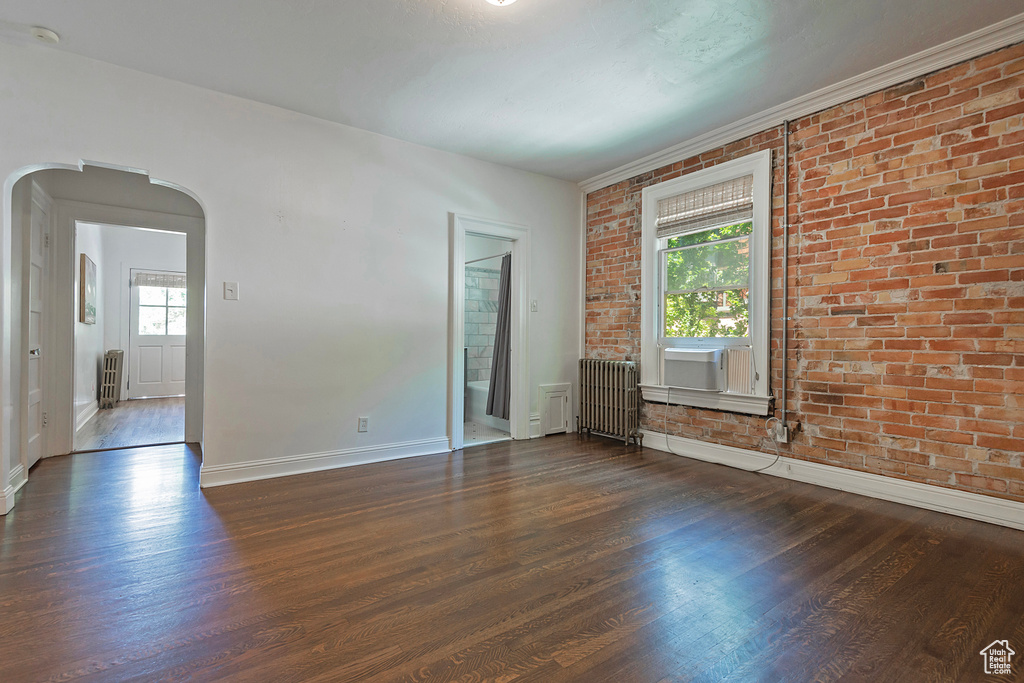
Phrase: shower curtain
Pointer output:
(499, 391)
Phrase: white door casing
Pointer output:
(66, 213)
(519, 371)
(156, 362)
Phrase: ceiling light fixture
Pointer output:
(44, 35)
(501, 3)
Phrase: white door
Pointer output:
(34, 439)
(156, 349)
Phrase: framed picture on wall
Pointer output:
(87, 298)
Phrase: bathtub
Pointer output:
(476, 406)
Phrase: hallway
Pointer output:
(140, 422)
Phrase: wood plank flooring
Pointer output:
(554, 559)
(139, 422)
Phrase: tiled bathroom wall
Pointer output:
(481, 320)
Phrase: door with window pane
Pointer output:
(156, 354)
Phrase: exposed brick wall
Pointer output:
(906, 281)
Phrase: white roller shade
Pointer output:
(721, 204)
(160, 280)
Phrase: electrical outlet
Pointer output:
(364, 424)
(781, 433)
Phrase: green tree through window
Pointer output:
(707, 278)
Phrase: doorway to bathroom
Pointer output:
(487, 327)
(488, 373)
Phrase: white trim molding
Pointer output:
(19, 477)
(69, 212)
(698, 398)
(988, 39)
(16, 480)
(950, 501)
(253, 470)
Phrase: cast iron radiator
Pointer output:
(110, 389)
(610, 399)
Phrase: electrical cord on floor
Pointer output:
(771, 435)
(767, 426)
(664, 428)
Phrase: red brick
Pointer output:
(937, 184)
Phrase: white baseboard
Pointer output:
(6, 499)
(535, 425)
(18, 477)
(16, 480)
(951, 501)
(87, 414)
(234, 473)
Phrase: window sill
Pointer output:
(697, 398)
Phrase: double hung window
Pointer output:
(705, 285)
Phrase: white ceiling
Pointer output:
(568, 88)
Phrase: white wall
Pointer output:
(88, 338)
(302, 212)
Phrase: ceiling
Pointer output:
(567, 88)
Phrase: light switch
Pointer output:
(533, 306)
(231, 291)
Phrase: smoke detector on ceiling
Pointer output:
(501, 3)
(44, 35)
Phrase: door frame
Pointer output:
(68, 213)
(519, 410)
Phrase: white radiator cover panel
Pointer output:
(739, 370)
(693, 369)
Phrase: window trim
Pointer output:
(759, 165)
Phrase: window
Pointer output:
(162, 299)
(706, 278)
(705, 282)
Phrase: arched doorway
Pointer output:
(52, 376)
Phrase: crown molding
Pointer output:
(988, 39)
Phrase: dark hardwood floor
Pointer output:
(548, 560)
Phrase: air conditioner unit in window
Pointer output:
(693, 369)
